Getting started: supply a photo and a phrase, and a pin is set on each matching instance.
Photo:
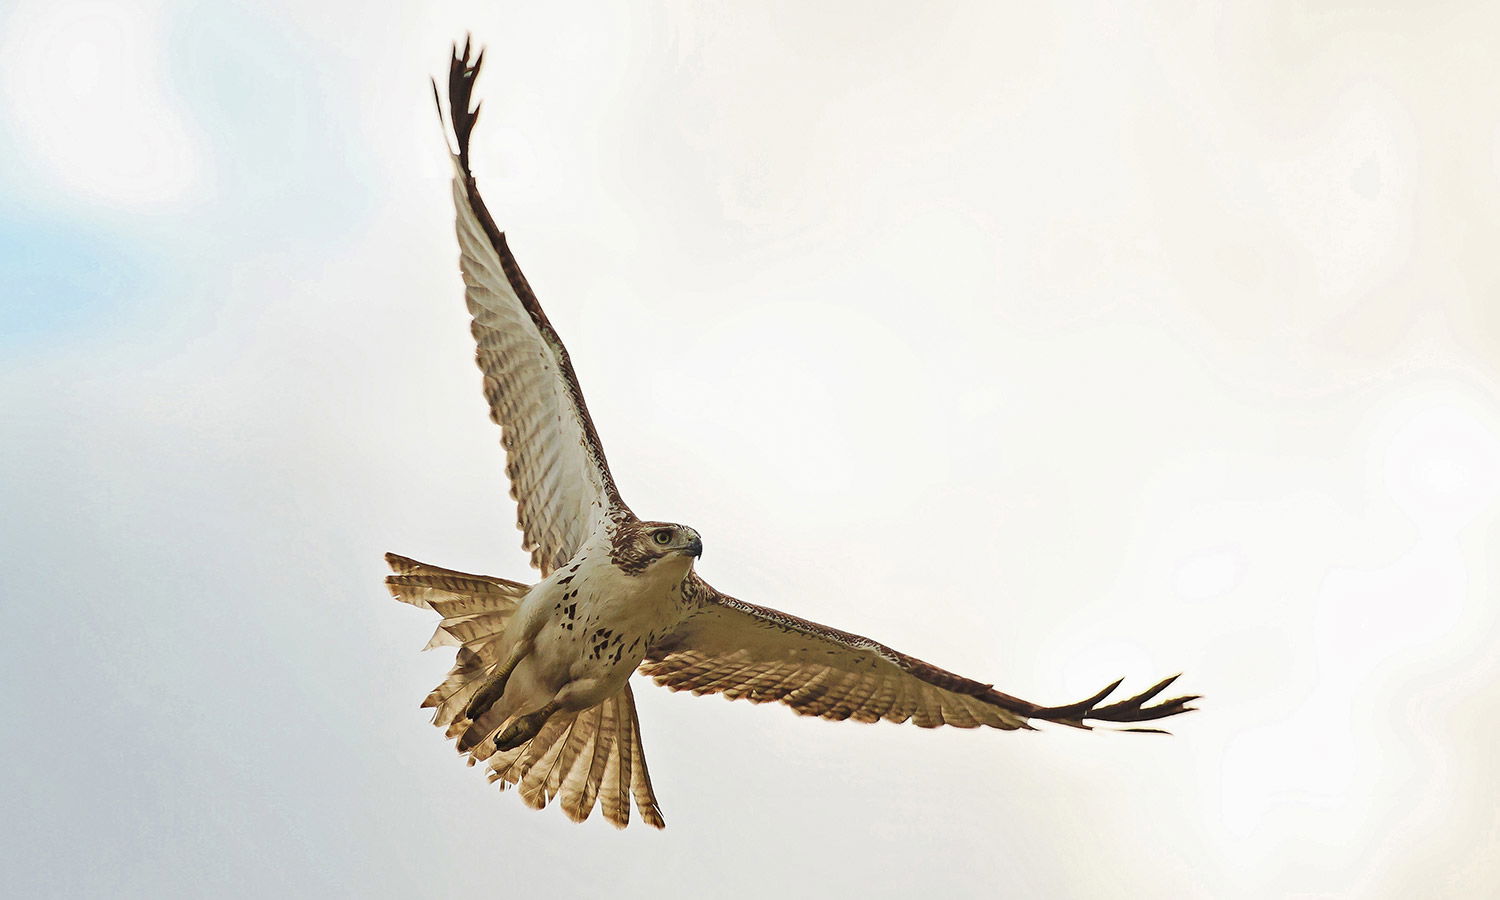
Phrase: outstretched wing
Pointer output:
(745, 651)
(559, 478)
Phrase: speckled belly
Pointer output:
(600, 639)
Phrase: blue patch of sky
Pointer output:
(62, 280)
(290, 174)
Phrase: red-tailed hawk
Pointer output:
(540, 689)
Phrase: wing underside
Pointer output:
(743, 651)
(559, 477)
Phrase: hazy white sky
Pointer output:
(1051, 346)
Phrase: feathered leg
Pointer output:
(494, 686)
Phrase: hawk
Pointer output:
(540, 690)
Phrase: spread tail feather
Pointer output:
(585, 758)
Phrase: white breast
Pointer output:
(597, 623)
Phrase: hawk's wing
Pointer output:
(745, 651)
(559, 478)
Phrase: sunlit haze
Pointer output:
(1051, 345)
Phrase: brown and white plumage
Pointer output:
(559, 478)
(539, 689)
(746, 651)
(594, 755)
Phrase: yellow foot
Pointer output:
(522, 729)
(486, 696)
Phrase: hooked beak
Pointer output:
(694, 549)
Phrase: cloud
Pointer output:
(82, 86)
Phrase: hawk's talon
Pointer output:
(523, 729)
(486, 696)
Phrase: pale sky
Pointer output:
(1049, 346)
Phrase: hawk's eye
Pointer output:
(662, 537)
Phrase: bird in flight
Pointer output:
(540, 690)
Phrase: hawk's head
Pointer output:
(642, 546)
